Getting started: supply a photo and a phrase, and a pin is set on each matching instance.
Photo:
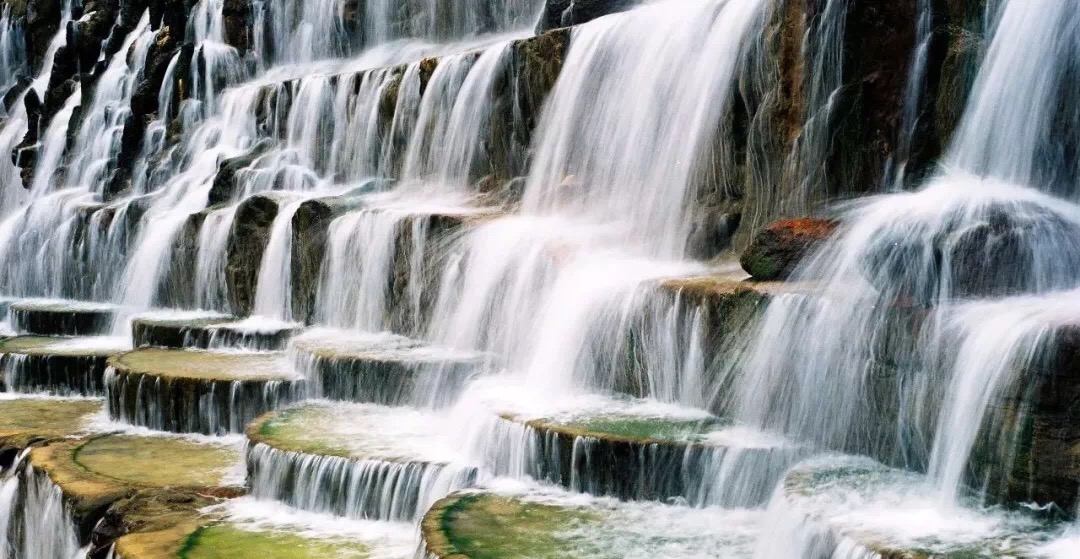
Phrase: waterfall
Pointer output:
(273, 296)
(1015, 126)
(605, 141)
(210, 287)
(43, 528)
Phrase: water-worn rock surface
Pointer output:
(191, 391)
(343, 267)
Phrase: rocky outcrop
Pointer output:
(247, 242)
(309, 229)
(564, 13)
(814, 136)
(777, 250)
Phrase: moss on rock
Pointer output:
(204, 365)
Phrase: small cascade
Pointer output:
(210, 283)
(99, 139)
(12, 49)
(660, 135)
(52, 147)
(43, 529)
(273, 297)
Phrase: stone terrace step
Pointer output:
(363, 461)
(476, 525)
(639, 449)
(381, 368)
(211, 331)
(193, 391)
(60, 318)
(63, 366)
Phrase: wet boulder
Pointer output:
(995, 249)
(776, 252)
(565, 13)
(225, 185)
(247, 242)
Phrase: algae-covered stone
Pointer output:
(95, 472)
(362, 461)
(60, 318)
(637, 449)
(26, 419)
(380, 368)
(191, 391)
(157, 461)
(65, 366)
(559, 526)
(204, 365)
(226, 541)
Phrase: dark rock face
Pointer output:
(247, 242)
(42, 22)
(1045, 467)
(310, 225)
(777, 250)
(225, 186)
(564, 13)
(803, 151)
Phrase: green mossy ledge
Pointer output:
(60, 318)
(61, 366)
(495, 525)
(823, 496)
(95, 473)
(644, 457)
(354, 460)
(24, 421)
(195, 536)
(193, 391)
(215, 332)
(389, 372)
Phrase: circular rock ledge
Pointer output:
(551, 526)
(210, 331)
(60, 318)
(192, 391)
(245, 528)
(363, 461)
(27, 418)
(63, 366)
(94, 472)
(640, 449)
(381, 368)
(868, 509)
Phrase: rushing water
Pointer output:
(502, 272)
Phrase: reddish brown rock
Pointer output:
(778, 249)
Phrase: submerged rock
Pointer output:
(776, 252)
(988, 249)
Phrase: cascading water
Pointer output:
(384, 157)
